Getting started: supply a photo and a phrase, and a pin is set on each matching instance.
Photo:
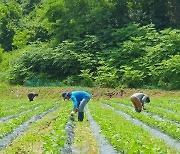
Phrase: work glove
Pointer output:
(72, 113)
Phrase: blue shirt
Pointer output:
(78, 96)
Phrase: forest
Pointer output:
(91, 43)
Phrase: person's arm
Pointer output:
(75, 103)
(144, 100)
(143, 106)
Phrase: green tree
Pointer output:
(132, 78)
(106, 76)
(162, 13)
(1, 51)
(9, 17)
(166, 74)
(21, 38)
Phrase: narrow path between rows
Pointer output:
(69, 136)
(166, 110)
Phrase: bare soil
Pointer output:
(96, 93)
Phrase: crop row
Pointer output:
(8, 126)
(166, 126)
(123, 135)
(160, 110)
(8, 106)
(8, 114)
(46, 135)
(164, 114)
(165, 103)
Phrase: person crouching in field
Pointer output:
(138, 100)
(31, 96)
(80, 99)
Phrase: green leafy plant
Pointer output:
(167, 73)
(87, 78)
(106, 76)
(21, 38)
(132, 78)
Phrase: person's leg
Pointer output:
(81, 109)
(137, 104)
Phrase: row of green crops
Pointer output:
(55, 140)
(8, 126)
(165, 126)
(49, 132)
(123, 135)
(164, 113)
(166, 103)
(161, 107)
(8, 110)
(47, 135)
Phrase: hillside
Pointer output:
(109, 44)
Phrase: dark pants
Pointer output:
(80, 116)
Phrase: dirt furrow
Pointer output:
(70, 137)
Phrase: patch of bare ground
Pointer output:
(113, 93)
(96, 93)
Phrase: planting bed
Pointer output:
(110, 126)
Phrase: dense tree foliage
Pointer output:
(108, 43)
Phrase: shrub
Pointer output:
(132, 78)
(167, 73)
(87, 78)
(106, 77)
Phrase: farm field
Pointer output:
(110, 126)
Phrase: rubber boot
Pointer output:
(80, 116)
